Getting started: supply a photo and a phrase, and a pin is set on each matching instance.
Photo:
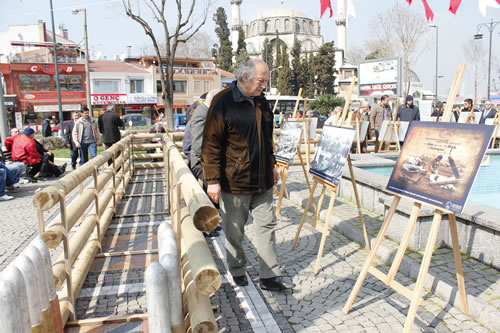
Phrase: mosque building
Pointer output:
(290, 24)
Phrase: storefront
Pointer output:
(32, 91)
(101, 101)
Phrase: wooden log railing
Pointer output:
(107, 187)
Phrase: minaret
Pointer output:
(235, 23)
(341, 45)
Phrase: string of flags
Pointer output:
(429, 14)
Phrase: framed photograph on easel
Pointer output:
(288, 141)
(332, 152)
(439, 161)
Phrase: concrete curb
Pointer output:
(479, 310)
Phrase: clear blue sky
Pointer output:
(110, 31)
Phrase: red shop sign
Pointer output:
(104, 99)
(43, 95)
(51, 69)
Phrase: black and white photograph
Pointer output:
(288, 141)
(312, 128)
(331, 154)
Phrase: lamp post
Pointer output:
(75, 11)
(437, 76)
(490, 26)
(56, 64)
(271, 76)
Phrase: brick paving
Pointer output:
(314, 305)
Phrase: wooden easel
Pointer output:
(415, 295)
(393, 124)
(283, 166)
(496, 122)
(327, 185)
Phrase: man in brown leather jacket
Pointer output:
(238, 165)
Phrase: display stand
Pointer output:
(327, 185)
(415, 295)
(496, 123)
(393, 129)
(283, 166)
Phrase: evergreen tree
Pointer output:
(224, 53)
(267, 54)
(305, 77)
(296, 67)
(241, 53)
(323, 69)
(285, 74)
(277, 60)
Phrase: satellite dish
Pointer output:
(123, 56)
(98, 55)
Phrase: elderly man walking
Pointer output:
(238, 165)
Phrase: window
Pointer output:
(27, 81)
(158, 86)
(42, 82)
(106, 86)
(75, 82)
(180, 86)
(136, 86)
(206, 85)
(197, 87)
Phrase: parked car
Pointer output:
(179, 122)
(56, 128)
(134, 119)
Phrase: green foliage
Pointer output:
(285, 74)
(373, 55)
(241, 53)
(277, 60)
(305, 77)
(323, 69)
(267, 54)
(52, 142)
(324, 104)
(296, 67)
(224, 53)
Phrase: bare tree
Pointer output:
(474, 55)
(184, 27)
(198, 47)
(371, 49)
(406, 31)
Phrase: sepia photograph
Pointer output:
(439, 162)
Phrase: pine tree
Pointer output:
(284, 74)
(277, 60)
(241, 53)
(323, 69)
(305, 78)
(267, 56)
(296, 67)
(224, 53)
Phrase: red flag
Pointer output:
(428, 11)
(454, 4)
(324, 5)
(409, 2)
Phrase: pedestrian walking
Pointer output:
(86, 136)
(68, 136)
(238, 165)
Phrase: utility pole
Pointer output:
(4, 128)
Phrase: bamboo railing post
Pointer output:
(67, 264)
(96, 205)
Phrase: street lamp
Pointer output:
(271, 76)
(490, 26)
(437, 76)
(75, 11)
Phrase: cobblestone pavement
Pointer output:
(315, 303)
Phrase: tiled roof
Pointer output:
(115, 66)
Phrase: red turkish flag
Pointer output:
(428, 11)
(324, 5)
(454, 4)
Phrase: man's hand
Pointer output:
(213, 192)
(77, 145)
(68, 145)
(276, 176)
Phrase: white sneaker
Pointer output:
(22, 181)
(6, 197)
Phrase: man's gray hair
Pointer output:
(110, 107)
(249, 68)
(364, 104)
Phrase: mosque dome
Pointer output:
(282, 12)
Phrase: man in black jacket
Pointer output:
(109, 125)
(238, 165)
(46, 129)
(68, 129)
